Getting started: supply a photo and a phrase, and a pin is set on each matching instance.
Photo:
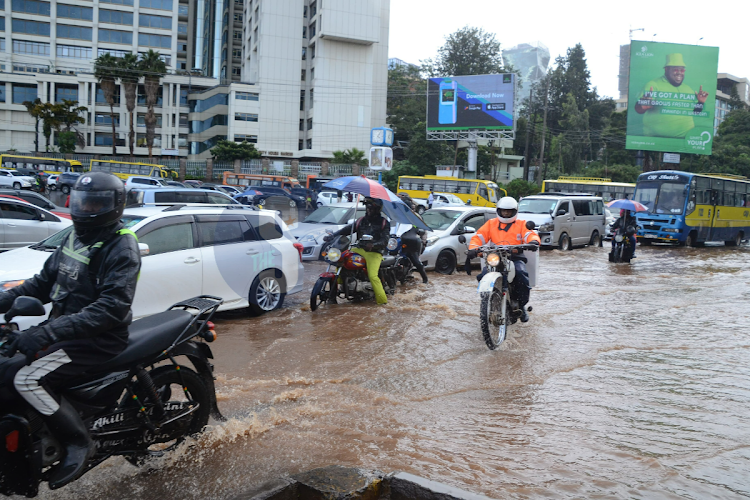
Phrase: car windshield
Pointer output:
(528, 206)
(661, 198)
(19, 174)
(329, 215)
(440, 220)
(59, 237)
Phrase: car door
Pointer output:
(474, 220)
(563, 221)
(232, 256)
(6, 178)
(172, 270)
(22, 224)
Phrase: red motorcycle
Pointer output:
(346, 276)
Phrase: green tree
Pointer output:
(406, 102)
(34, 109)
(350, 156)
(468, 51)
(613, 138)
(68, 114)
(518, 188)
(153, 68)
(230, 151)
(107, 71)
(130, 75)
(735, 101)
(424, 154)
(390, 177)
(66, 142)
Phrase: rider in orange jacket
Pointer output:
(507, 229)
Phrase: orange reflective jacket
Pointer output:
(498, 233)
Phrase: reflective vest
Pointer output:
(498, 233)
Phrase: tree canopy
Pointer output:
(468, 51)
(230, 151)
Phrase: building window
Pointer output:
(237, 17)
(167, 59)
(140, 139)
(309, 124)
(301, 144)
(301, 125)
(115, 17)
(312, 73)
(313, 9)
(183, 120)
(23, 93)
(141, 99)
(157, 4)
(182, 10)
(304, 51)
(236, 53)
(31, 7)
(100, 96)
(239, 3)
(34, 48)
(246, 138)
(304, 31)
(312, 51)
(312, 95)
(246, 96)
(148, 40)
(151, 21)
(76, 12)
(303, 75)
(105, 119)
(304, 14)
(236, 71)
(73, 51)
(2, 92)
(237, 35)
(309, 144)
(312, 30)
(129, 3)
(182, 141)
(141, 120)
(112, 52)
(113, 36)
(183, 97)
(301, 100)
(246, 117)
(75, 32)
(69, 93)
(30, 27)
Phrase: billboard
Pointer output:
(481, 102)
(671, 97)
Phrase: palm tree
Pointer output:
(130, 75)
(153, 68)
(106, 71)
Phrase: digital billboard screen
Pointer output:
(481, 102)
(671, 97)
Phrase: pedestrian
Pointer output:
(339, 195)
(308, 202)
(349, 197)
(430, 199)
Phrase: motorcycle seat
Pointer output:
(151, 335)
(388, 261)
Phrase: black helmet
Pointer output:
(97, 200)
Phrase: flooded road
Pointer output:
(630, 381)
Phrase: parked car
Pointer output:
(30, 197)
(247, 257)
(565, 220)
(230, 190)
(177, 184)
(443, 251)
(611, 218)
(15, 179)
(304, 193)
(67, 180)
(144, 182)
(168, 195)
(52, 182)
(327, 198)
(268, 191)
(193, 183)
(439, 200)
(22, 223)
(310, 232)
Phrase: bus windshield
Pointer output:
(661, 197)
(536, 206)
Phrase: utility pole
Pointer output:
(544, 126)
(528, 135)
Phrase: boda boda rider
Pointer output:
(507, 229)
(379, 228)
(90, 280)
(625, 220)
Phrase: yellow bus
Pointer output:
(49, 165)
(594, 186)
(479, 192)
(124, 169)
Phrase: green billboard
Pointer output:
(671, 97)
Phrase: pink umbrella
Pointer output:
(631, 205)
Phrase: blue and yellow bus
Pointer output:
(691, 209)
(594, 186)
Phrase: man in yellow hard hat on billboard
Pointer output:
(668, 104)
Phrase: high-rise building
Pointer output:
(531, 59)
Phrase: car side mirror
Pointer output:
(350, 221)
(143, 249)
(40, 216)
(469, 229)
(562, 211)
(25, 306)
(530, 224)
(462, 239)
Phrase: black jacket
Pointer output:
(98, 305)
(379, 229)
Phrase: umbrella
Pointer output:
(395, 209)
(631, 205)
(249, 192)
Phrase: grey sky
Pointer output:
(418, 28)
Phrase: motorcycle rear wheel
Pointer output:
(494, 323)
(321, 292)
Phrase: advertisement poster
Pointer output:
(671, 97)
(482, 102)
(381, 158)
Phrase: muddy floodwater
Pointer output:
(630, 381)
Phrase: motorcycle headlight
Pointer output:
(618, 238)
(7, 285)
(493, 259)
(334, 254)
(432, 240)
(392, 244)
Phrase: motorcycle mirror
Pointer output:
(530, 224)
(25, 306)
(462, 239)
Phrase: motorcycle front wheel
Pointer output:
(494, 316)
(321, 292)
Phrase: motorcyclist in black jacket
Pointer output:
(90, 280)
(375, 225)
(621, 225)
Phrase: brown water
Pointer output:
(629, 381)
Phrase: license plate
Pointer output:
(649, 236)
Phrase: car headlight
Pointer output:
(392, 244)
(546, 227)
(25, 183)
(309, 238)
(7, 285)
(493, 259)
(432, 240)
(334, 254)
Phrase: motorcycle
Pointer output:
(128, 406)
(400, 247)
(499, 307)
(621, 245)
(349, 281)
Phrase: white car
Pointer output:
(15, 179)
(244, 256)
(443, 251)
(142, 182)
(22, 223)
(439, 200)
(311, 231)
(327, 198)
(52, 182)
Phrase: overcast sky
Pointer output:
(419, 27)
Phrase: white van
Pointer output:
(565, 220)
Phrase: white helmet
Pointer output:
(507, 203)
